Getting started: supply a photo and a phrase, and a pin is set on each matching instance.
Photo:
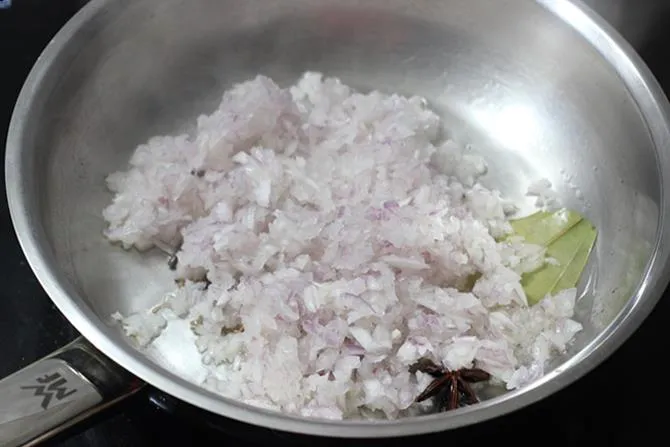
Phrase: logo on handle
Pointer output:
(50, 387)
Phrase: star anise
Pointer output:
(451, 388)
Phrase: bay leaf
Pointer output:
(544, 227)
(569, 243)
(567, 237)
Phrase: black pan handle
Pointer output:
(58, 391)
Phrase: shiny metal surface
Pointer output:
(51, 394)
(543, 89)
(57, 394)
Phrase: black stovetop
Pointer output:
(610, 404)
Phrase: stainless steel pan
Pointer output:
(543, 87)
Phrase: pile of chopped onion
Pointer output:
(328, 241)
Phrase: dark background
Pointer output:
(621, 401)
